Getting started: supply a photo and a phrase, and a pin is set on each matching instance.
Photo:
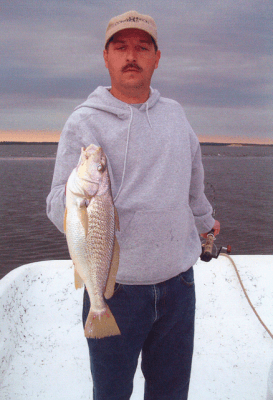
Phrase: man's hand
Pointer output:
(216, 228)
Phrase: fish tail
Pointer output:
(101, 325)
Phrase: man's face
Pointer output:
(131, 60)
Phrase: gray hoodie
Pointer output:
(156, 171)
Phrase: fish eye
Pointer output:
(101, 167)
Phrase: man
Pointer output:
(154, 160)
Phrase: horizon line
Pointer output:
(201, 142)
(53, 136)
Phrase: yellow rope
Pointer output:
(248, 299)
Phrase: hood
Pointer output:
(101, 99)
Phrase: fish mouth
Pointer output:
(90, 188)
(89, 181)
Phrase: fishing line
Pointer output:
(210, 187)
(244, 290)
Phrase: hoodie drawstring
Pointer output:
(126, 153)
(127, 146)
(147, 113)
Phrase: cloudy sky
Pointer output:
(216, 61)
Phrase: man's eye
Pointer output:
(141, 48)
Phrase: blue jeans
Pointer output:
(157, 320)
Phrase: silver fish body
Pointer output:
(90, 224)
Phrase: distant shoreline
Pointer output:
(12, 142)
(201, 143)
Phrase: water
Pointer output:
(238, 181)
(239, 184)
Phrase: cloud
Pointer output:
(215, 56)
(247, 122)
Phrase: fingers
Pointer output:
(216, 228)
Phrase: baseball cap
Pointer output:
(131, 19)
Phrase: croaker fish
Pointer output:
(90, 223)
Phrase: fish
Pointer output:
(90, 225)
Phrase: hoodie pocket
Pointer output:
(150, 230)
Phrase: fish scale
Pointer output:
(100, 240)
(102, 227)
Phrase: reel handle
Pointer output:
(207, 248)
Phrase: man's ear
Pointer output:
(158, 55)
(105, 56)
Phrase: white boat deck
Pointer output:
(44, 354)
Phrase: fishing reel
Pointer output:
(208, 248)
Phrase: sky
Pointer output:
(216, 61)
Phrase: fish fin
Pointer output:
(82, 213)
(116, 219)
(100, 326)
(65, 215)
(110, 285)
(78, 280)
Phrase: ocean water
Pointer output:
(238, 183)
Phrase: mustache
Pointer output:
(130, 66)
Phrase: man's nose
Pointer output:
(131, 55)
